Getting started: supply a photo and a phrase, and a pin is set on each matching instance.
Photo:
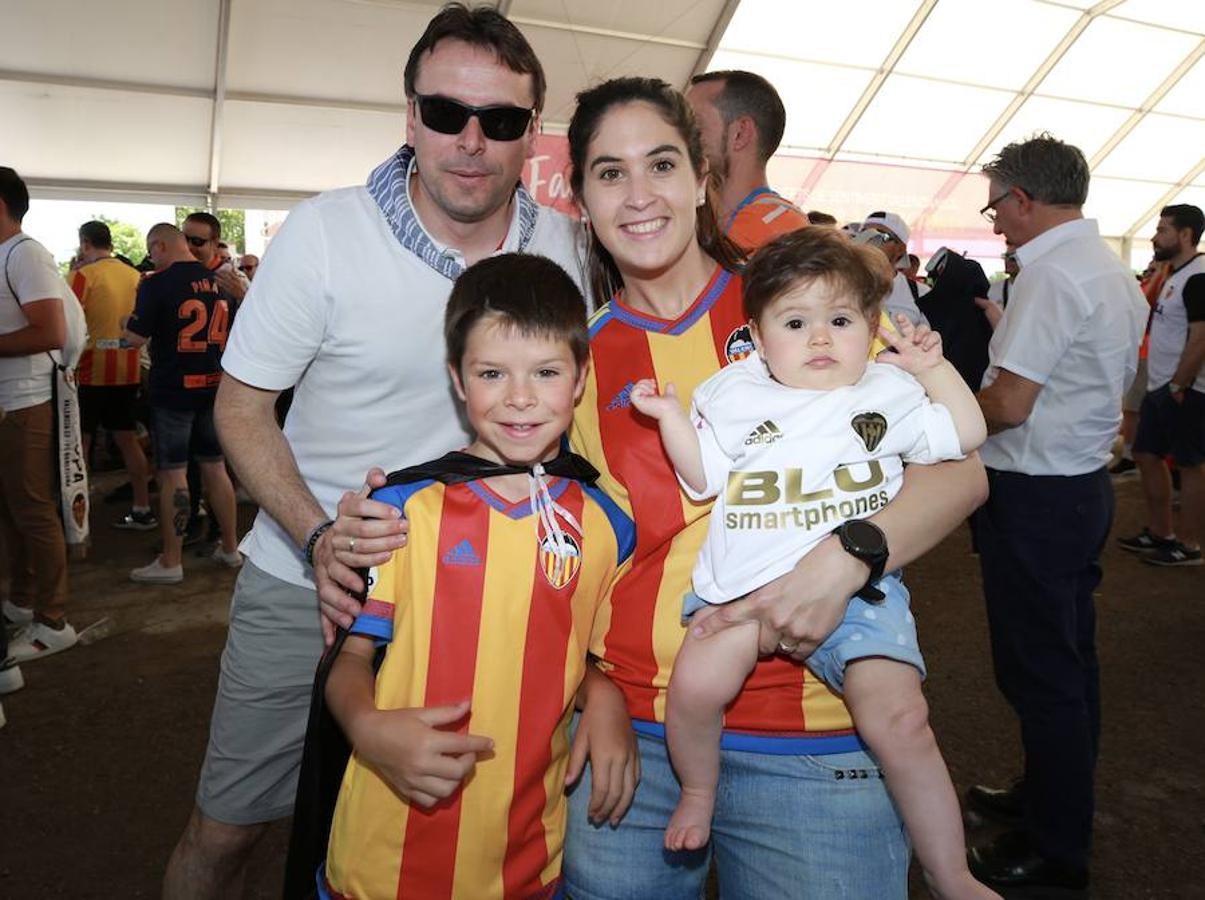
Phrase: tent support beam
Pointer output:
(713, 39)
(219, 101)
(1192, 175)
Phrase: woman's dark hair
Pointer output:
(592, 107)
(530, 294)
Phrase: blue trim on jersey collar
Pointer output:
(749, 198)
(768, 744)
(522, 508)
(644, 322)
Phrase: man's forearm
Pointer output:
(30, 340)
(931, 504)
(262, 459)
(1190, 361)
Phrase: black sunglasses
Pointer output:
(498, 123)
(197, 241)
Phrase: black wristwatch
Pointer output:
(865, 541)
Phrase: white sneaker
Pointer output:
(157, 573)
(39, 640)
(18, 615)
(11, 678)
(229, 560)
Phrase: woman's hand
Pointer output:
(798, 611)
(605, 736)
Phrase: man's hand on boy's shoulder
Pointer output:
(408, 747)
(365, 534)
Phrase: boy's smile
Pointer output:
(519, 392)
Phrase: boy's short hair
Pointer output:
(531, 294)
(812, 254)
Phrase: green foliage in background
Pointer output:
(233, 224)
(128, 241)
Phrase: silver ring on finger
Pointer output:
(351, 545)
(784, 647)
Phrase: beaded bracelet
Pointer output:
(312, 541)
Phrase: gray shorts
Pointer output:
(259, 716)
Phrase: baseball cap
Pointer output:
(892, 222)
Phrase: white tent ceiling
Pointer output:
(891, 103)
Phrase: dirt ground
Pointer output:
(99, 759)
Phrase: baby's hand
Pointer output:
(917, 347)
(647, 400)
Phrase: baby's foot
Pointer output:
(690, 825)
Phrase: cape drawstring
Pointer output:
(548, 513)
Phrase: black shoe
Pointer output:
(1010, 862)
(1005, 805)
(1144, 542)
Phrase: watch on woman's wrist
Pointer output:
(864, 540)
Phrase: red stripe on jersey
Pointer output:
(110, 375)
(79, 284)
(541, 705)
(429, 850)
(632, 443)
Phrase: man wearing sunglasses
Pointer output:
(1061, 355)
(203, 231)
(349, 309)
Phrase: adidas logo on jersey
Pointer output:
(462, 554)
(765, 433)
(623, 399)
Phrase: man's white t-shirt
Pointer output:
(1169, 325)
(25, 380)
(1073, 324)
(341, 310)
(788, 465)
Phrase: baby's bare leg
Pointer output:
(891, 715)
(708, 674)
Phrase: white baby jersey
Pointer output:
(788, 465)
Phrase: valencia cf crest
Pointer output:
(560, 570)
(739, 344)
(871, 427)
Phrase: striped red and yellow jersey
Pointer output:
(639, 627)
(761, 217)
(473, 607)
(106, 290)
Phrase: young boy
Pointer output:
(793, 441)
(455, 788)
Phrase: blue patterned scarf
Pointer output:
(387, 185)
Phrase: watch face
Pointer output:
(865, 538)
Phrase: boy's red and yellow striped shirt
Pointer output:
(474, 607)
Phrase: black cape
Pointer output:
(952, 313)
(326, 751)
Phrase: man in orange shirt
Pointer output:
(741, 120)
(109, 370)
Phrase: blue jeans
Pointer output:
(815, 827)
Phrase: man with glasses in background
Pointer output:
(1062, 354)
(349, 309)
(203, 231)
(889, 233)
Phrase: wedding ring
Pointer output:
(351, 545)
(784, 647)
